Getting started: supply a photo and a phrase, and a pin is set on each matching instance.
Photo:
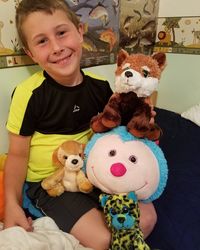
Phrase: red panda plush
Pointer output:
(137, 77)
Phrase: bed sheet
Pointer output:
(178, 208)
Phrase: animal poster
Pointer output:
(101, 29)
(178, 35)
(138, 22)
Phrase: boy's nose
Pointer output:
(56, 47)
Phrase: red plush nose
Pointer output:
(118, 169)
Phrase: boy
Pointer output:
(47, 109)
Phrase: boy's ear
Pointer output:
(81, 31)
(28, 52)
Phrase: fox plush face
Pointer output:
(138, 73)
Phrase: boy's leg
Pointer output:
(75, 213)
(92, 231)
(148, 218)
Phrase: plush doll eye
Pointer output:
(125, 210)
(65, 157)
(133, 159)
(112, 152)
(113, 211)
(127, 68)
(145, 73)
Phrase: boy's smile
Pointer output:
(55, 44)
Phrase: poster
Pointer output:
(138, 22)
(178, 35)
(11, 53)
(101, 30)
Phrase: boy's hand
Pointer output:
(153, 113)
(16, 217)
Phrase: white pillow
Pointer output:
(193, 114)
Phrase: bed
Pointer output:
(178, 208)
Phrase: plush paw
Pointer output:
(56, 191)
(152, 134)
(48, 183)
(96, 124)
(85, 186)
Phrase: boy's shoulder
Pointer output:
(32, 82)
(95, 76)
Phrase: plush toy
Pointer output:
(68, 157)
(137, 77)
(127, 169)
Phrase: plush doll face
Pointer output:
(138, 73)
(119, 166)
(69, 155)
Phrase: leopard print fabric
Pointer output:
(122, 216)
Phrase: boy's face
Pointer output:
(55, 44)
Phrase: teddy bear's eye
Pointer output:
(112, 152)
(133, 159)
(65, 157)
(145, 73)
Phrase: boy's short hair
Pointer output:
(26, 7)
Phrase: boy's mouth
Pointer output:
(62, 60)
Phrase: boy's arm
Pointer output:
(15, 174)
(148, 218)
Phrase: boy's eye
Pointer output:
(41, 41)
(61, 33)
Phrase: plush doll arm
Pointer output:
(83, 183)
(52, 180)
(141, 126)
(109, 118)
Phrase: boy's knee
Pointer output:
(149, 224)
(103, 242)
(148, 220)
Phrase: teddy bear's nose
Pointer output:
(74, 161)
(118, 169)
(128, 74)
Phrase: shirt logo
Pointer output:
(76, 108)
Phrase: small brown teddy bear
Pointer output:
(137, 77)
(68, 157)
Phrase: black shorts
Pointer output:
(65, 209)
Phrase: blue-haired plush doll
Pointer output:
(127, 170)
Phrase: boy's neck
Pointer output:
(70, 81)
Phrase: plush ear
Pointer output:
(132, 196)
(122, 55)
(83, 149)
(55, 160)
(103, 199)
(160, 57)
